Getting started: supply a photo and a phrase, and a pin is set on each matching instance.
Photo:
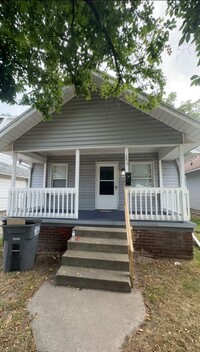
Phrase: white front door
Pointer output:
(107, 186)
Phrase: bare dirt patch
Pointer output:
(16, 289)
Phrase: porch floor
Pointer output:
(114, 218)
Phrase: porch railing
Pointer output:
(162, 204)
(43, 202)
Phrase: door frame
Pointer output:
(116, 182)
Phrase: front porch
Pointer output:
(158, 201)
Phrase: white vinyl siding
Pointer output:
(6, 158)
(5, 184)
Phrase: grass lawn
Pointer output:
(171, 294)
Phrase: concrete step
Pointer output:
(100, 232)
(107, 245)
(90, 278)
(100, 260)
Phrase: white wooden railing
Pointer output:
(43, 202)
(162, 204)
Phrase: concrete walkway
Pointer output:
(72, 320)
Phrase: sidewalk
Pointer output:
(68, 319)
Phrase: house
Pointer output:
(22, 173)
(78, 161)
(192, 173)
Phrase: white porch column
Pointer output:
(181, 167)
(126, 160)
(160, 173)
(45, 175)
(77, 171)
(14, 169)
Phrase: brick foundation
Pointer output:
(154, 242)
(54, 238)
(164, 243)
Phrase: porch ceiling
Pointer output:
(42, 157)
(164, 152)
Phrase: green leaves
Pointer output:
(47, 45)
(189, 12)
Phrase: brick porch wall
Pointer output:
(54, 238)
(164, 243)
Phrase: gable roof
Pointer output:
(164, 113)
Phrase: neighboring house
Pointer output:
(192, 172)
(78, 159)
(22, 173)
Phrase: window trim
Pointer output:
(66, 176)
(144, 178)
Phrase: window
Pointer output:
(142, 174)
(59, 175)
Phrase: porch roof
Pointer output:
(164, 113)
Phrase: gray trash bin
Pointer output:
(20, 245)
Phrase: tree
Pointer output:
(48, 44)
(189, 12)
(171, 98)
(191, 108)
(188, 107)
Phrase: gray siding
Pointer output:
(170, 174)
(37, 176)
(97, 123)
(193, 185)
(88, 174)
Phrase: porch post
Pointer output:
(126, 160)
(160, 173)
(181, 167)
(14, 169)
(45, 175)
(77, 170)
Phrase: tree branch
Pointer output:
(107, 37)
(73, 15)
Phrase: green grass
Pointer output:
(192, 285)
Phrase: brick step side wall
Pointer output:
(54, 238)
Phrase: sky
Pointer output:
(180, 65)
(177, 68)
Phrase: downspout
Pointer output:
(196, 240)
(30, 175)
